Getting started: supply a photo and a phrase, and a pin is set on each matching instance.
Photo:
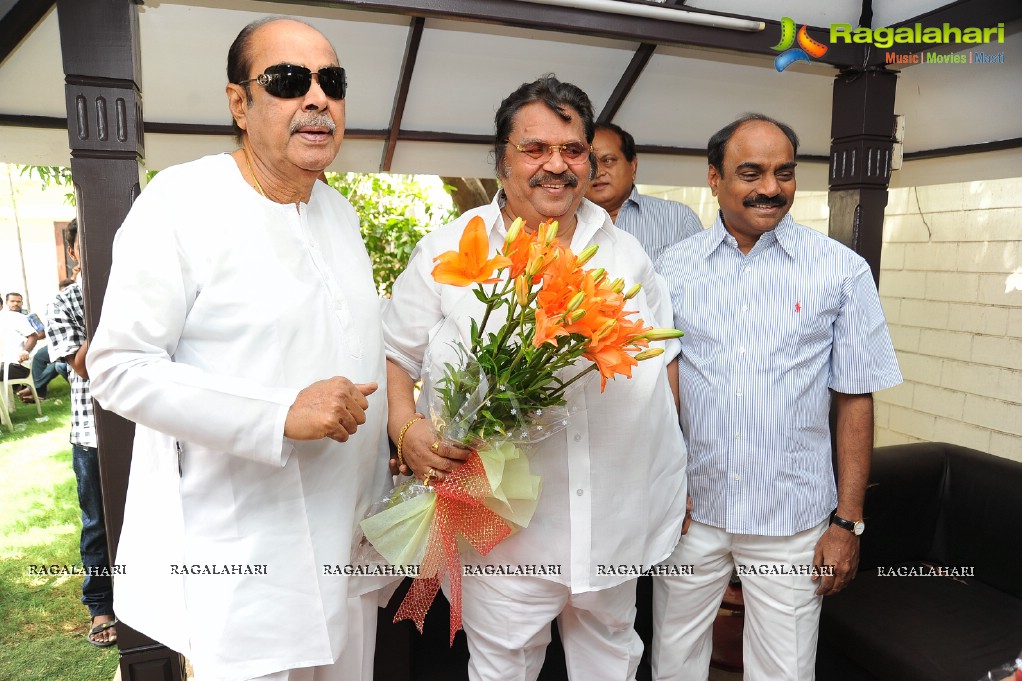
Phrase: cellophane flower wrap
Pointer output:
(500, 390)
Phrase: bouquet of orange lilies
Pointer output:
(506, 387)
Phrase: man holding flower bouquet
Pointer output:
(613, 475)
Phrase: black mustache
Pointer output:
(764, 200)
(568, 178)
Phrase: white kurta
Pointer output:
(614, 480)
(221, 307)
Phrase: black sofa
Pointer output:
(931, 508)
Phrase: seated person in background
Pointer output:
(656, 223)
(17, 337)
(44, 369)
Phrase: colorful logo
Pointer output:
(807, 47)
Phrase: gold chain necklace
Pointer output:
(248, 159)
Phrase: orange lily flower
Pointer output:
(469, 264)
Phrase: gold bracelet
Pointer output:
(401, 438)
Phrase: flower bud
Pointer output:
(605, 329)
(633, 291)
(662, 334)
(598, 274)
(513, 231)
(576, 316)
(575, 301)
(522, 290)
(586, 255)
(551, 233)
(618, 285)
(649, 354)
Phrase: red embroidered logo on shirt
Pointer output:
(798, 306)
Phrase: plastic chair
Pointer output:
(7, 395)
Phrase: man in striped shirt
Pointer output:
(656, 223)
(779, 321)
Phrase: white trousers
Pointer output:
(782, 612)
(507, 627)
(355, 662)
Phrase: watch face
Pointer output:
(859, 528)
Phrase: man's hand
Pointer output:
(420, 456)
(332, 408)
(838, 548)
(688, 516)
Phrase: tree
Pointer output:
(395, 212)
(470, 192)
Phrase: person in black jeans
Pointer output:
(67, 336)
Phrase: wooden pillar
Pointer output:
(862, 139)
(99, 43)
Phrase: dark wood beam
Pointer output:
(17, 19)
(862, 140)
(962, 149)
(628, 79)
(401, 96)
(592, 23)
(626, 82)
(101, 55)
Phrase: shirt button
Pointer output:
(738, 436)
(738, 478)
(745, 308)
(578, 492)
(741, 351)
(738, 393)
(578, 438)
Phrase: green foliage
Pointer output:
(59, 176)
(395, 212)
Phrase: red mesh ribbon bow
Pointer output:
(459, 513)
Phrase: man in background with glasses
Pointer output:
(613, 494)
(260, 422)
(656, 223)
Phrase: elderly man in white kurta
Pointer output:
(241, 333)
(613, 496)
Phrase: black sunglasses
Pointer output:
(288, 81)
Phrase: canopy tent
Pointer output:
(426, 77)
(112, 86)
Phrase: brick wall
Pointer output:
(951, 286)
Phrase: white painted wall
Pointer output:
(951, 285)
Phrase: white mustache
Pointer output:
(320, 120)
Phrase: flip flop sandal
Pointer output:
(98, 629)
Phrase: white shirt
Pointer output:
(767, 336)
(614, 480)
(221, 307)
(15, 328)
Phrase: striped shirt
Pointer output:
(767, 335)
(656, 223)
(66, 333)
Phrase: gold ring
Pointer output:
(431, 473)
(435, 447)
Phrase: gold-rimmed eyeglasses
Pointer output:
(572, 152)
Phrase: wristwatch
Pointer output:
(857, 527)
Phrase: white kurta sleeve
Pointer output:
(154, 281)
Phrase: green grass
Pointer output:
(43, 619)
